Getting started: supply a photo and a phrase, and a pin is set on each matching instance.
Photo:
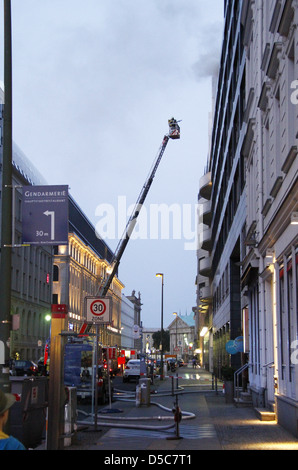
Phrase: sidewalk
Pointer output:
(211, 425)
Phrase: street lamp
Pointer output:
(175, 313)
(161, 358)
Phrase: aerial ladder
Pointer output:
(174, 133)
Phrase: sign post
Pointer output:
(45, 223)
(98, 310)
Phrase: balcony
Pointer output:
(205, 267)
(206, 186)
(205, 295)
(206, 237)
(207, 213)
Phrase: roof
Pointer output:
(79, 224)
(23, 165)
(188, 319)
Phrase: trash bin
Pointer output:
(70, 415)
(28, 416)
(145, 391)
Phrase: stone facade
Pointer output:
(249, 202)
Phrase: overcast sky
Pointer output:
(94, 84)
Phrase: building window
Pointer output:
(55, 273)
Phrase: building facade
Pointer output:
(147, 340)
(222, 205)
(249, 204)
(127, 324)
(136, 301)
(79, 269)
(269, 268)
(182, 337)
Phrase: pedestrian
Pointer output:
(7, 442)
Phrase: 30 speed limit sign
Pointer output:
(98, 309)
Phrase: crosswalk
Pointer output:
(200, 431)
(190, 376)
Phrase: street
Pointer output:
(128, 389)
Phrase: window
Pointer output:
(55, 273)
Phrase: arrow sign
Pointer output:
(52, 214)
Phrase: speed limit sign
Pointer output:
(98, 309)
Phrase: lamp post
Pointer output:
(161, 358)
(175, 313)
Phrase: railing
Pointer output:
(269, 377)
(236, 380)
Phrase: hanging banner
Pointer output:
(45, 215)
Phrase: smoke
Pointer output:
(206, 66)
(210, 44)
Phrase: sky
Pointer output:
(94, 84)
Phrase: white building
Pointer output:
(182, 336)
(147, 340)
(248, 256)
(269, 268)
(127, 324)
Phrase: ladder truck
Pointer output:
(174, 133)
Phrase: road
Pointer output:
(85, 406)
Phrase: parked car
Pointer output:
(23, 368)
(132, 370)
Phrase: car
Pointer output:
(23, 368)
(132, 370)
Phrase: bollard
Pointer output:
(177, 418)
(138, 396)
(145, 391)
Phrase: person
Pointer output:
(194, 363)
(7, 442)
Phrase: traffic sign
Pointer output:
(98, 309)
(45, 215)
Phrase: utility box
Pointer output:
(144, 385)
(70, 415)
(28, 416)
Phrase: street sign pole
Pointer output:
(6, 213)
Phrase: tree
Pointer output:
(165, 340)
